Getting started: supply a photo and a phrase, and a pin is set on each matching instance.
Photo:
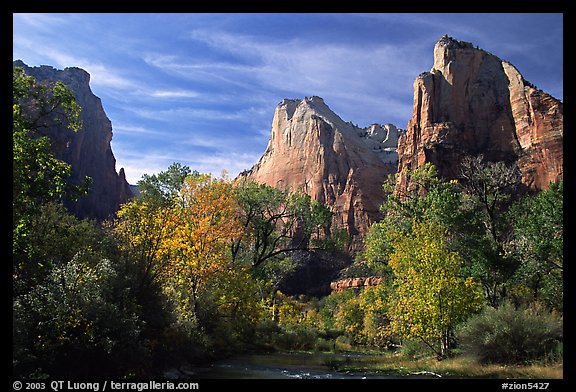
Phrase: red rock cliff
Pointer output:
(313, 150)
(471, 103)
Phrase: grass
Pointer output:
(460, 366)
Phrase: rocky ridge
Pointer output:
(87, 151)
(472, 103)
(335, 162)
(355, 283)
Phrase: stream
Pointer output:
(280, 366)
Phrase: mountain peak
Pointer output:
(313, 150)
(474, 103)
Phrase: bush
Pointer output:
(415, 349)
(295, 337)
(512, 336)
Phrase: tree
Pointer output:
(491, 185)
(38, 176)
(489, 188)
(538, 244)
(141, 230)
(275, 225)
(205, 223)
(277, 222)
(431, 297)
(426, 197)
(163, 187)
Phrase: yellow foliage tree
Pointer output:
(431, 297)
(206, 222)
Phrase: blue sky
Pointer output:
(201, 89)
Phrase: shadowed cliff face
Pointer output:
(88, 151)
(313, 150)
(471, 103)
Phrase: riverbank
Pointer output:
(349, 365)
(459, 366)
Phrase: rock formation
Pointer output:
(355, 283)
(472, 103)
(87, 151)
(335, 162)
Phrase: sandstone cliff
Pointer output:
(313, 150)
(88, 151)
(471, 103)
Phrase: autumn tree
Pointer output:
(431, 297)
(205, 224)
(141, 229)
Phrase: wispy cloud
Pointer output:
(355, 76)
(40, 22)
(177, 93)
(200, 89)
(136, 130)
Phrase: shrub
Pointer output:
(295, 337)
(513, 336)
(415, 348)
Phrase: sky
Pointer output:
(201, 89)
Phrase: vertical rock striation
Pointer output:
(341, 165)
(87, 151)
(471, 103)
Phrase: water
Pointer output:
(282, 366)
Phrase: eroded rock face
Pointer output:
(313, 150)
(355, 283)
(471, 103)
(88, 151)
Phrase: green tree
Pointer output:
(489, 188)
(431, 298)
(538, 244)
(275, 224)
(163, 187)
(38, 176)
(427, 197)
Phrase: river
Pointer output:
(281, 366)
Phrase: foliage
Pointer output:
(538, 244)
(489, 189)
(38, 176)
(163, 187)
(427, 198)
(141, 229)
(276, 222)
(82, 309)
(431, 297)
(78, 301)
(375, 303)
(512, 335)
(205, 223)
(274, 225)
(53, 238)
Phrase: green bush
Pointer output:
(295, 337)
(415, 349)
(512, 336)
